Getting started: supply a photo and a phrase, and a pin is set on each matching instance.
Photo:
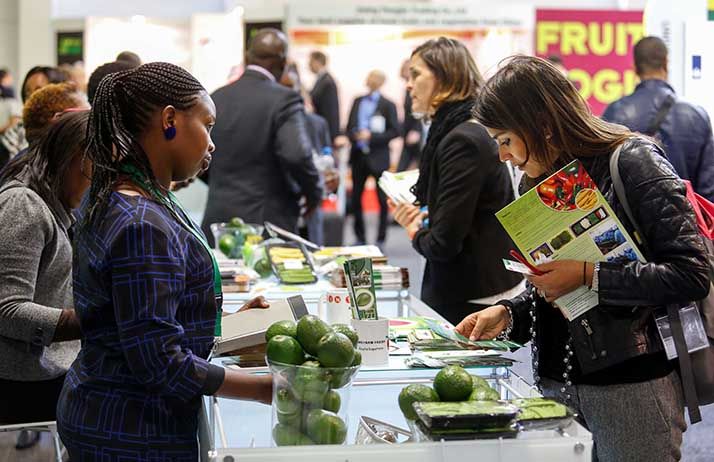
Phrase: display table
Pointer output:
(238, 430)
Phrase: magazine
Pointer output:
(565, 217)
(397, 186)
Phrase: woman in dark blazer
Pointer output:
(462, 183)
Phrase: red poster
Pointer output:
(596, 49)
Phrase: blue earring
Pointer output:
(170, 132)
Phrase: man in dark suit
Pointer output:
(263, 163)
(324, 93)
(372, 125)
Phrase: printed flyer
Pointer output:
(565, 217)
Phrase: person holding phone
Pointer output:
(608, 363)
(463, 185)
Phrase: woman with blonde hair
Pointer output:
(461, 182)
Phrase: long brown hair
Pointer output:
(530, 97)
(47, 162)
(453, 66)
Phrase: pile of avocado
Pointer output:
(311, 360)
(451, 383)
(236, 234)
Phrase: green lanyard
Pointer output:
(172, 203)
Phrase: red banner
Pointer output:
(596, 49)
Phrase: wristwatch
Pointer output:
(596, 277)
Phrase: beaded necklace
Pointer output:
(535, 355)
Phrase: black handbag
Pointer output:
(697, 368)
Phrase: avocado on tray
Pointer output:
(466, 415)
(542, 413)
(510, 431)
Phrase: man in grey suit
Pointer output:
(262, 165)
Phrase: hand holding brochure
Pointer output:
(566, 217)
(397, 186)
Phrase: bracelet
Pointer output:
(585, 272)
(506, 333)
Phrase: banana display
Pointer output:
(290, 264)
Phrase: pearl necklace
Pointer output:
(535, 355)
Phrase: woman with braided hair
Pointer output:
(146, 286)
(461, 182)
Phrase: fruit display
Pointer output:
(290, 264)
(453, 383)
(415, 393)
(231, 236)
(462, 406)
(312, 365)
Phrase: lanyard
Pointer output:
(177, 211)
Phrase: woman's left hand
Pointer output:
(415, 225)
(257, 302)
(561, 277)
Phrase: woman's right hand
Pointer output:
(485, 324)
(405, 213)
(241, 385)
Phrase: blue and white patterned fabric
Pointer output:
(143, 290)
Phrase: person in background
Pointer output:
(7, 90)
(104, 70)
(44, 106)
(412, 130)
(39, 330)
(76, 74)
(147, 288)
(263, 166)
(10, 111)
(324, 93)
(608, 363)
(684, 129)
(129, 57)
(372, 125)
(319, 133)
(38, 77)
(463, 185)
(14, 140)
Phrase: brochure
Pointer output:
(360, 284)
(397, 186)
(565, 217)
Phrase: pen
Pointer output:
(520, 258)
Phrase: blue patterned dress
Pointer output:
(143, 290)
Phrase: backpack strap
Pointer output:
(619, 187)
(685, 363)
(662, 112)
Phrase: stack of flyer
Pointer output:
(566, 217)
(385, 277)
(397, 186)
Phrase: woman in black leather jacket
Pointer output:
(608, 363)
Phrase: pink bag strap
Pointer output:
(703, 209)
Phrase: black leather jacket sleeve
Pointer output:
(676, 270)
(520, 310)
(294, 149)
